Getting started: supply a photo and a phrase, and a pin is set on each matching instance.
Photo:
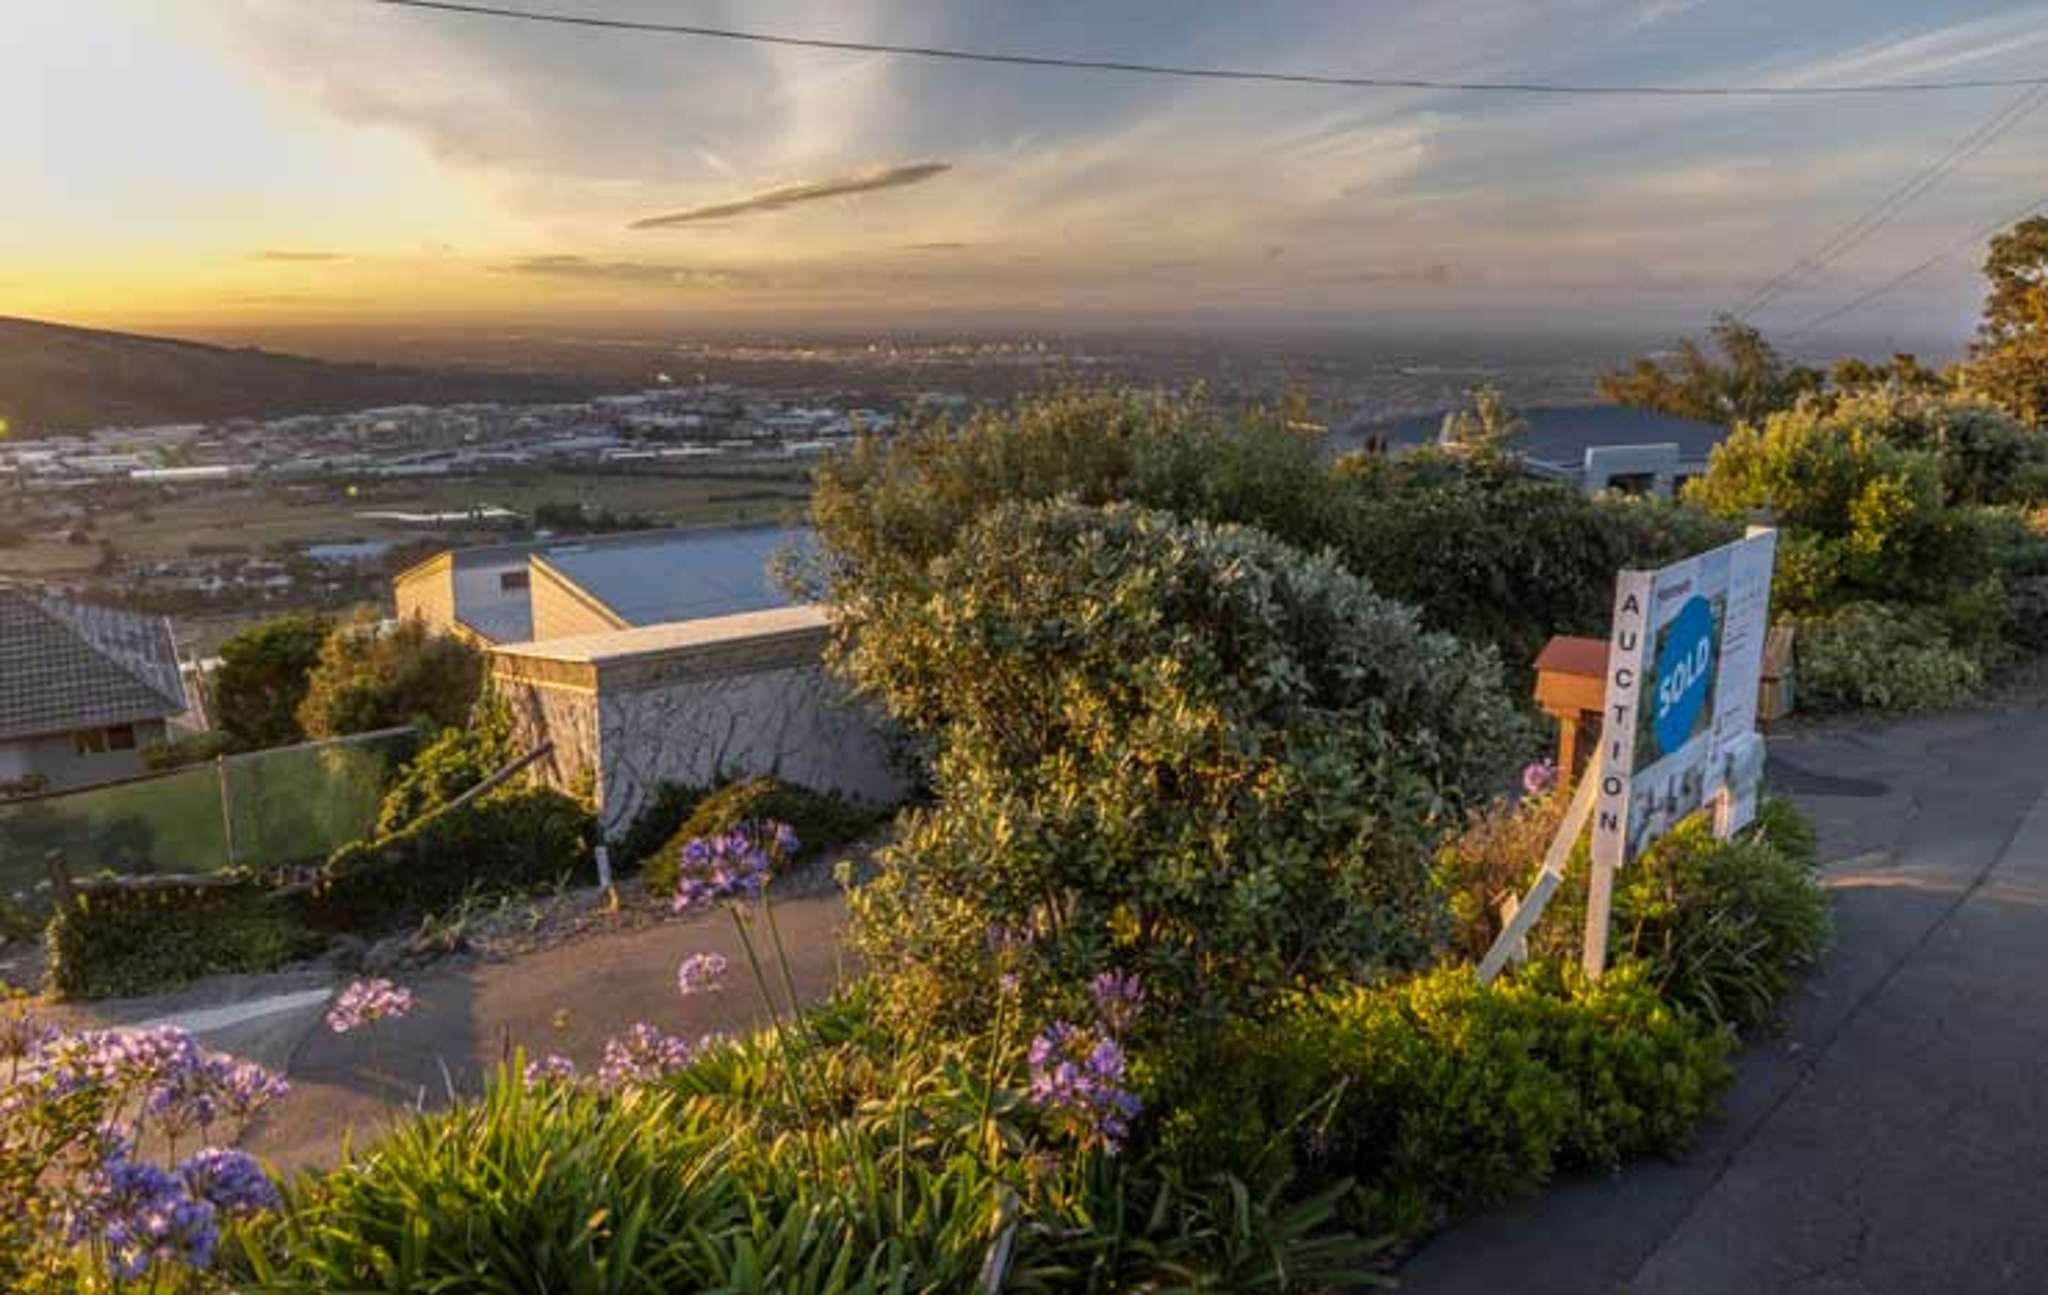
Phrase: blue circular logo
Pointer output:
(1685, 673)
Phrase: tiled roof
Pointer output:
(66, 666)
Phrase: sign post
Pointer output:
(1678, 728)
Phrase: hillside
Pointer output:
(54, 377)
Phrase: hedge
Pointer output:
(108, 943)
(505, 841)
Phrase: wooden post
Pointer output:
(1599, 908)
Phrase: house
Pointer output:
(82, 690)
(553, 588)
(1596, 447)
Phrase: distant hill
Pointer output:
(54, 377)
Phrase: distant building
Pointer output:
(82, 690)
(572, 585)
(1596, 447)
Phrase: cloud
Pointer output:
(790, 195)
(564, 266)
(292, 254)
(1431, 275)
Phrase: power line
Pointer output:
(1859, 230)
(1215, 73)
(1918, 270)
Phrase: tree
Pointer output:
(1488, 430)
(1185, 749)
(2009, 360)
(1903, 372)
(1752, 381)
(374, 675)
(262, 680)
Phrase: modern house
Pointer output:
(552, 588)
(82, 691)
(1596, 447)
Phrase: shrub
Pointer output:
(193, 748)
(1495, 557)
(505, 841)
(1870, 655)
(262, 680)
(114, 943)
(1184, 749)
(374, 676)
(451, 764)
(1724, 926)
(1496, 856)
(666, 810)
(823, 821)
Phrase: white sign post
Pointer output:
(1678, 732)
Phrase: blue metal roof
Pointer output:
(680, 575)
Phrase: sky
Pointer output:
(296, 160)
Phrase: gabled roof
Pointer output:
(67, 666)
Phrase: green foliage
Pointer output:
(1725, 927)
(666, 810)
(1752, 382)
(451, 764)
(1878, 657)
(508, 840)
(372, 677)
(904, 1188)
(114, 943)
(823, 821)
(1186, 749)
(262, 680)
(1495, 557)
(193, 748)
(1438, 1096)
(1494, 857)
(2009, 360)
(1488, 431)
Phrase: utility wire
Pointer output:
(1898, 280)
(1216, 73)
(1859, 230)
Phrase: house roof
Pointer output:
(673, 636)
(1561, 434)
(677, 575)
(67, 666)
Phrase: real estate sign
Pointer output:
(1684, 664)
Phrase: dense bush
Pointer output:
(505, 841)
(1437, 1096)
(451, 764)
(113, 943)
(371, 675)
(192, 748)
(1482, 551)
(1879, 657)
(1187, 750)
(823, 821)
(1724, 927)
(1497, 557)
(262, 680)
(666, 810)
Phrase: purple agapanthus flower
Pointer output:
(731, 865)
(554, 1068)
(1077, 1078)
(231, 1181)
(1119, 998)
(1539, 777)
(142, 1215)
(23, 1034)
(700, 974)
(243, 1088)
(643, 1055)
(367, 1002)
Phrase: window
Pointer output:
(91, 741)
(511, 580)
(121, 738)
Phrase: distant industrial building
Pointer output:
(555, 588)
(1596, 447)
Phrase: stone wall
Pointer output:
(692, 703)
